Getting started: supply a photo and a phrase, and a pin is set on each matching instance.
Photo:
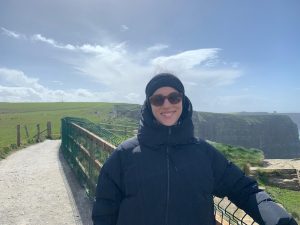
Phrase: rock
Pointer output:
(281, 178)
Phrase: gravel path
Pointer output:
(37, 187)
(282, 163)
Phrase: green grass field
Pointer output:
(31, 114)
(239, 155)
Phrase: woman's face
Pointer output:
(167, 114)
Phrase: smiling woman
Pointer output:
(166, 176)
(166, 105)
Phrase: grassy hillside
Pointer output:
(239, 155)
(30, 114)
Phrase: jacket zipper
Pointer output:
(168, 182)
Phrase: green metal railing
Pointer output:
(85, 151)
(86, 146)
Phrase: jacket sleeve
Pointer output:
(108, 192)
(243, 191)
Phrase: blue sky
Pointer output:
(232, 56)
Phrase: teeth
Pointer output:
(167, 114)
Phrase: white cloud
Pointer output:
(123, 74)
(102, 50)
(15, 86)
(53, 43)
(157, 48)
(10, 33)
(119, 70)
(124, 28)
(17, 78)
(38, 37)
(85, 48)
(186, 60)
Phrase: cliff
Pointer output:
(276, 135)
(295, 118)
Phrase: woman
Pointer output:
(165, 176)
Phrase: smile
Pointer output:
(168, 114)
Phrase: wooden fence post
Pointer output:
(38, 133)
(26, 131)
(49, 135)
(18, 135)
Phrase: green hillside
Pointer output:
(31, 114)
(239, 155)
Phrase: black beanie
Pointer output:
(163, 80)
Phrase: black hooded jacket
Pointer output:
(165, 176)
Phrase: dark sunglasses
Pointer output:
(173, 98)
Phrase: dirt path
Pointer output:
(282, 163)
(37, 187)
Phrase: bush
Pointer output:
(13, 146)
(4, 152)
(262, 177)
(296, 215)
(30, 141)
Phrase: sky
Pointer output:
(231, 56)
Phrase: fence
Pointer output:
(86, 146)
(228, 213)
(84, 150)
(120, 129)
(39, 135)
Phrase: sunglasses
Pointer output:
(159, 100)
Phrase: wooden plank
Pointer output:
(82, 168)
(96, 162)
(220, 220)
(98, 165)
(108, 146)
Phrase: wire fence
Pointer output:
(228, 213)
(86, 146)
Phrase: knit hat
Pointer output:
(163, 80)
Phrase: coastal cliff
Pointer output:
(277, 135)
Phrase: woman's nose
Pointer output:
(166, 102)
